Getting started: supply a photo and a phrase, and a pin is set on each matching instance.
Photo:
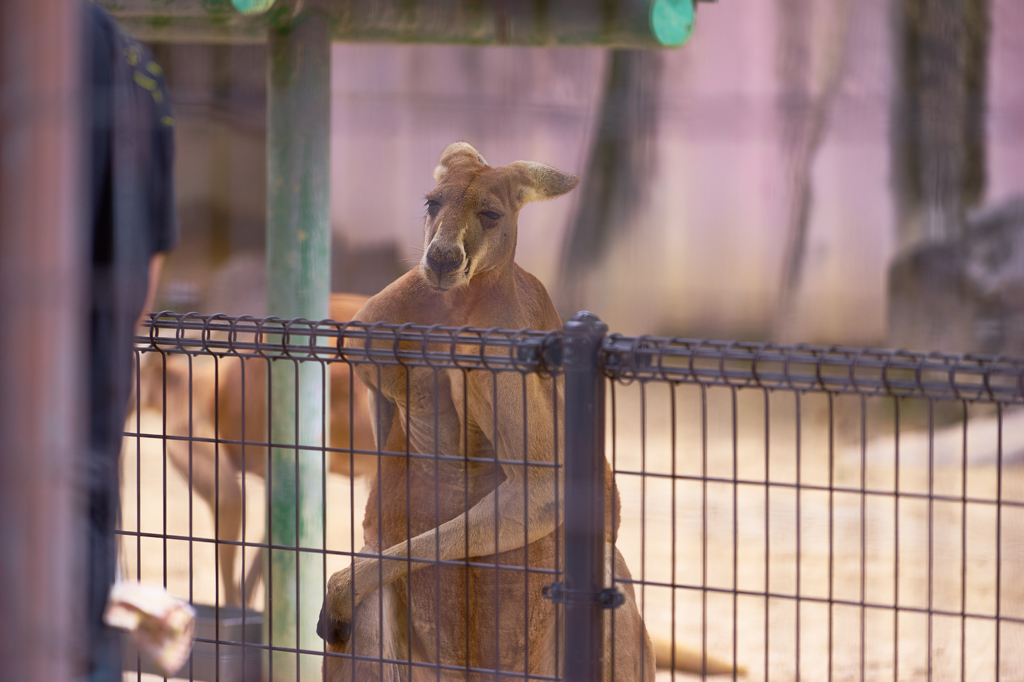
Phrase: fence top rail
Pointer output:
(301, 340)
(834, 369)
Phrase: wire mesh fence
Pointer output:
(778, 512)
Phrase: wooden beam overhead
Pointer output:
(611, 23)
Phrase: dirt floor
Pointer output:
(842, 547)
(819, 554)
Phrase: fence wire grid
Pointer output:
(785, 512)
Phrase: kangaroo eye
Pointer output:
(491, 215)
(433, 207)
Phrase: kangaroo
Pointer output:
(467, 619)
(219, 402)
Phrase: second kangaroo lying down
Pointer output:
(455, 510)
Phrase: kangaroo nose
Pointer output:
(443, 259)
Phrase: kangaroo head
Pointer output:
(472, 215)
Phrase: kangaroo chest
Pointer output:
(439, 468)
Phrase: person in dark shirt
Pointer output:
(130, 155)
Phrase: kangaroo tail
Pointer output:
(690, 660)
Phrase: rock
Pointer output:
(965, 295)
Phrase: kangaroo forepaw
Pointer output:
(334, 631)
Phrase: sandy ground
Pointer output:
(832, 550)
(844, 547)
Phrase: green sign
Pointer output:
(672, 21)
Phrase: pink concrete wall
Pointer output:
(706, 255)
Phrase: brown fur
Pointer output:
(219, 398)
(455, 610)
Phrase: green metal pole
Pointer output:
(298, 285)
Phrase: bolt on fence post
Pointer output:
(584, 498)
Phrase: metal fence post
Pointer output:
(584, 499)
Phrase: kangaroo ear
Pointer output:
(457, 153)
(542, 182)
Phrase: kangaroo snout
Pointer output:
(444, 259)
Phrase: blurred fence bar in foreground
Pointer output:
(42, 371)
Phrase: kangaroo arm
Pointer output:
(521, 510)
(382, 414)
(490, 531)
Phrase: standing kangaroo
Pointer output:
(454, 510)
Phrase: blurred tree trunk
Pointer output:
(938, 161)
(618, 172)
(809, 84)
(939, 116)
